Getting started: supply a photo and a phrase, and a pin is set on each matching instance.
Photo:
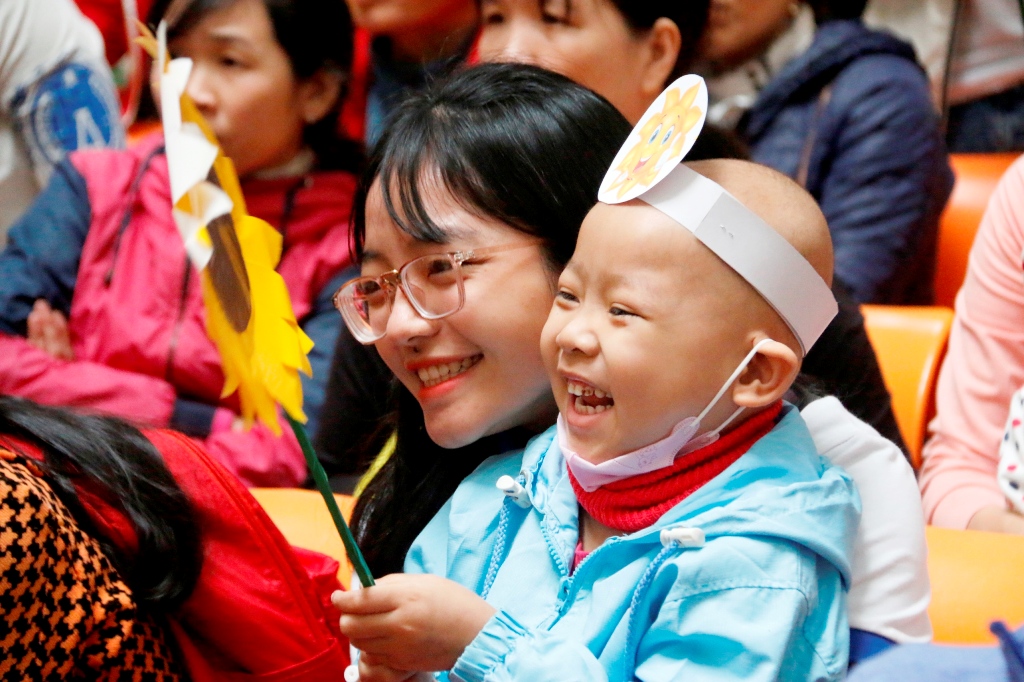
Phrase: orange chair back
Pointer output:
(976, 177)
(303, 519)
(974, 579)
(910, 342)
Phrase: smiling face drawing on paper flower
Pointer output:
(662, 138)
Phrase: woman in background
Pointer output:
(101, 309)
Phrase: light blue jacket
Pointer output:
(763, 598)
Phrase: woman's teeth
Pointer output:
(435, 374)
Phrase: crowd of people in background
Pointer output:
(372, 133)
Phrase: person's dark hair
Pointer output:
(691, 16)
(316, 34)
(117, 462)
(516, 143)
(512, 142)
(830, 10)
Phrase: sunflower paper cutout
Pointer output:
(249, 315)
(665, 133)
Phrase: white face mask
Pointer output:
(657, 455)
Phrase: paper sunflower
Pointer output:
(661, 138)
(248, 311)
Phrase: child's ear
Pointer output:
(318, 94)
(768, 376)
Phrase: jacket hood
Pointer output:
(836, 44)
(781, 488)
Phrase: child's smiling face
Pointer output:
(646, 326)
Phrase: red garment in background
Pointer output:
(352, 119)
(108, 15)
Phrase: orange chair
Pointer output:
(910, 342)
(975, 579)
(303, 519)
(976, 177)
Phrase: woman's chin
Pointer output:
(450, 436)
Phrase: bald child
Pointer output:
(677, 523)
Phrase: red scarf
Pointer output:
(638, 501)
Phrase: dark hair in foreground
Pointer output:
(317, 35)
(691, 16)
(116, 461)
(512, 142)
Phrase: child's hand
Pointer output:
(412, 622)
(371, 672)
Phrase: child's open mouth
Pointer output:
(587, 399)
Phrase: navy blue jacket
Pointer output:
(855, 109)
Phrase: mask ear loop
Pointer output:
(725, 387)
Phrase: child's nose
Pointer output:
(578, 336)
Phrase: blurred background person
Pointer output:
(113, 320)
(974, 53)
(56, 96)
(400, 45)
(846, 112)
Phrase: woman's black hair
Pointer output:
(117, 462)
(512, 142)
(691, 16)
(317, 35)
(516, 143)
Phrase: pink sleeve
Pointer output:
(983, 367)
(28, 372)
(258, 457)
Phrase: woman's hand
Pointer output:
(411, 622)
(48, 331)
(997, 520)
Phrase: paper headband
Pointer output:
(648, 167)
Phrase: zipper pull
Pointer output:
(514, 490)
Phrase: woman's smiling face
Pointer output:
(478, 372)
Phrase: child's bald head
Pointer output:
(649, 321)
(786, 206)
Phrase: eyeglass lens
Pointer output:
(431, 283)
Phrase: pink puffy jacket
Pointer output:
(136, 312)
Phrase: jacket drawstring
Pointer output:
(516, 497)
(126, 219)
(674, 539)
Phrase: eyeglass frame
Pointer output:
(392, 280)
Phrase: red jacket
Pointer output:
(100, 244)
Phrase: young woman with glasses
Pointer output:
(467, 212)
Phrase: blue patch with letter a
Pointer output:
(70, 108)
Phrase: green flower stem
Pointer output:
(320, 478)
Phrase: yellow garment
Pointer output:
(378, 464)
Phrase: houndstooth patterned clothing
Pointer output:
(65, 613)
